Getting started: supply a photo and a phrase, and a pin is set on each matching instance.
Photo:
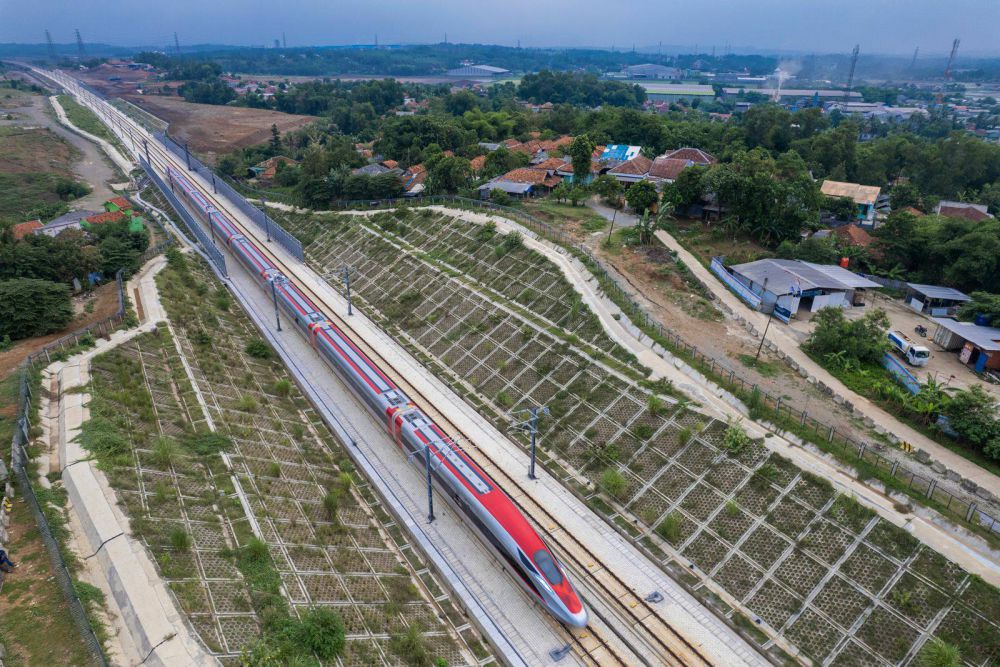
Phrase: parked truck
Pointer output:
(915, 355)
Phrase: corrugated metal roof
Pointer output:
(986, 338)
(939, 292)
(861, 194)
(785, 276)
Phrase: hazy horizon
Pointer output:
(878, 26)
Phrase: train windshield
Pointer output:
(545, 563)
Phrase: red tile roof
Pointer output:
(550, 164)
(20, 230)
(390, 164)
(110, 216)
(967, 212)
(854, 235)
(914, 211)
(526, 175)
(477, 163)
(121, 202)
(668, 168)
(696, 155)
(637, 166)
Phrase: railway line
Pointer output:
(625, 628)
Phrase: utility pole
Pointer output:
(52, 47)
(612, 228)
(347, 282)
(81, 52)
(177, 44)
(531, 425)
(263, 212)
(430, 492)
(951, 60)
(187, 156)
(854, 64)
(274, 296)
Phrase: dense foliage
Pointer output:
(579, 89)
(31, 307)
(74, 254)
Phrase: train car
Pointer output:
(467, 487)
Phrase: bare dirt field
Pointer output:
(213, 130)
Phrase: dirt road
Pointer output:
(92, 167)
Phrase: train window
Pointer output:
(547, 564)
(526, 562)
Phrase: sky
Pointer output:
(810, 26)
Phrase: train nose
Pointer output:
(577, 620)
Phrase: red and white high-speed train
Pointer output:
(498, 521)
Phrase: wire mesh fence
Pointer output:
(259, 216)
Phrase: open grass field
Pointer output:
(32, 162)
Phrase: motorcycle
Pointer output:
(921, 330)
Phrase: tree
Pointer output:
(983, 303)
(448, 174)
(642, 196)
(610, 188)
(903, 195)
(641, 233)
(275, 144)
(500, 197)
(972, 414)
(503, 160)
(686, 190)
(842, 208)
(862, 340)
(32, 307)
(581, 153)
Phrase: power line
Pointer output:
(52, 47)
(81, 52)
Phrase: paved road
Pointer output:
(621, 218)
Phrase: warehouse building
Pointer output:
(978, 346)
(653, 71)
(478, 72)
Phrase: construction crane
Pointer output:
(52, 47)
(951, 60)
(854, 64)
(81, 52)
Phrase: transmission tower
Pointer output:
(951, 60)
(284, 44)
(52, 47)
(854, 64)
(916, 52)
(177, 44)
(81, 52)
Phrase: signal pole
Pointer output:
(347, 282)
(531, 425)
(274, 296)
(430, 494)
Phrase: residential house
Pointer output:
(414, 180)
(71, 220)
(522, 182)
(374, 169)
(695, 155)
(22, 229)
(265, 171)
(666, 169)
(632, 171)
(957, 209)
(865, 196)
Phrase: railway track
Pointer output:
(640, 636)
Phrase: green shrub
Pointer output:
(735, 440)
(643, 432)
(409, 646)
(258, 349)
(938, 653)
(180, 539)
(321, 631)
(166, 452)
(670, 528)
(206, 444)
(614, 483)
(282, 388)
